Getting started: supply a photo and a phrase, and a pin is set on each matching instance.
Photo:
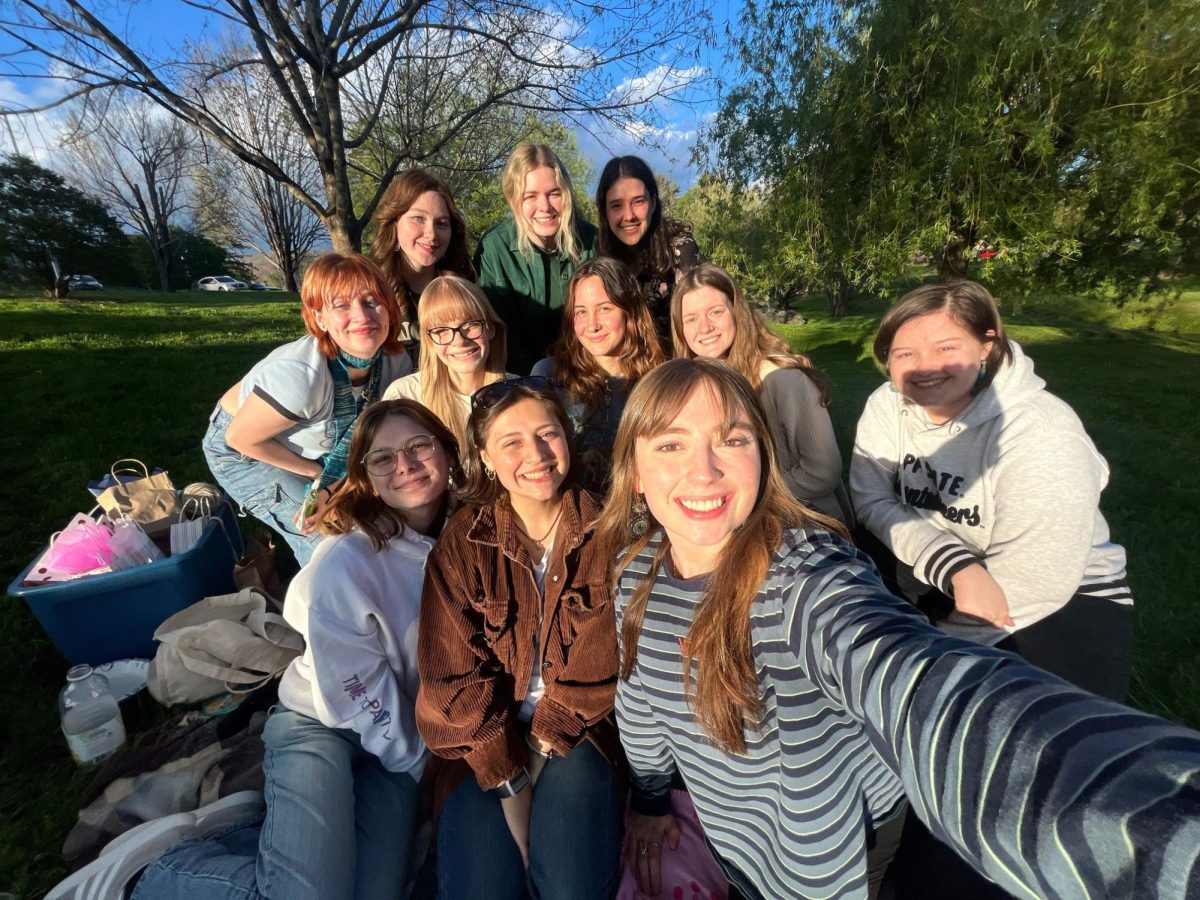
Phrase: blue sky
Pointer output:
(157, 28)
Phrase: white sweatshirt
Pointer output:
(1013, 481)
(358, 609)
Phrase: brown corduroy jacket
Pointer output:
(479, 611)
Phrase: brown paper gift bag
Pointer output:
(256, 568)
(151, 500)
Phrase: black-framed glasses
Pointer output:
(491, 394)
(471, 331)
(382, 460)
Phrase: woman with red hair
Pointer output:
(277, 440)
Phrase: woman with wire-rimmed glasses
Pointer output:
(463, 348)
(518, 663)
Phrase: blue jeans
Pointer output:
(574, 836)
(272, 495)
(339, 827)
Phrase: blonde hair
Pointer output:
(725, 693)
(525, 159)
(753, 343)
(447, 299)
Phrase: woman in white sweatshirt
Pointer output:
(985, 489)
(343, 756)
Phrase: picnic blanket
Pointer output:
(182, 764)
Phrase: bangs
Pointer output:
(670, 387)
(448, 303)
(343, 279)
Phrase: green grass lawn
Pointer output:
(137, 374)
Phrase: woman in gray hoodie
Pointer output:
(985, 489)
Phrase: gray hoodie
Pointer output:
(1013, 481)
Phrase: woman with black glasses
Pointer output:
(518, 663)
(463, 347)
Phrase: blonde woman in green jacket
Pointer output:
(525, 262)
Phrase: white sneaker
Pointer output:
(127, 854)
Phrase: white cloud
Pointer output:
(35, 135)
(658, 85)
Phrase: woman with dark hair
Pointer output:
(525, 261)
(805, 707)
(608, 342)
(981, 491)
(277, 440)
(518, 662)
(656, 249)
(710, 318)
(343, 756)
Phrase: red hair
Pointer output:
(334, 275)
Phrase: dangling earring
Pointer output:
(639, 520)
(982, 372)
(490, 473)
(450, 485)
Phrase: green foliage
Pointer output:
(193, 256)
(1065, 135)
(476, 187)
(44, 221)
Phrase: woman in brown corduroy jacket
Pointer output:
(518, 662)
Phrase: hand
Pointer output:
(537, 758)
(322, 498)
(516, 814)
(977, 594)
(643, 846)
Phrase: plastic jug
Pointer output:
(90, 716)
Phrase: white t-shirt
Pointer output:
(537, 685)
(294, 380)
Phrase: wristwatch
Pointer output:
(513, 786)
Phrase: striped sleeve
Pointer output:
(650, 763)
(1048, 790)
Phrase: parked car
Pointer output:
(219, 283)
(84, 283)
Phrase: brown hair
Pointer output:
(449, 299)
(525, 159)
(575, 369)
(356, 505)
(334, 275)
(726, 690)
(969, 303)
(481, 490)
(653, 255)
(753, 343)
(401, 194)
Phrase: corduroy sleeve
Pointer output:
(464, 708)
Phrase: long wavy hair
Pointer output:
(334, 275)
(725, 693)
(356, 505)
(453, 299)
(401, 194)
(525, 159)
(969, 303)
(480, 490)
(653, 255)
(753, 343)
(575, 368)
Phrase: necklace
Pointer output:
(539, 542)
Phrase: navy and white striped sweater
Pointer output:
(1049, 790)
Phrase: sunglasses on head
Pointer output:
(489, 395)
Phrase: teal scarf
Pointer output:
(346, 408)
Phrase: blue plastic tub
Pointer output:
(113, 616)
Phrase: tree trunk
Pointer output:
(346, 237)
(952, 262)
(838, 295)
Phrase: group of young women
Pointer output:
(618, 574)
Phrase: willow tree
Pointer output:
(882, 131)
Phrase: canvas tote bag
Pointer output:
(229, 642)
(150, 500)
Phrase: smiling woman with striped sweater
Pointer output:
(805, 707)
